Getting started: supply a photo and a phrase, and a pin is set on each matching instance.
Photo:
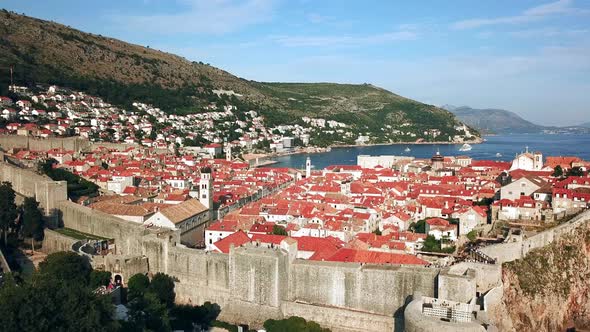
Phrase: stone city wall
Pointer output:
(379, 289)
(123, 265)
(456, 287)
(75, 143)
(340, 320)
(487, 276)
(28, 183)
(128, 236)
(54, 241)
(254, 284)
(8, 142)
(505, 252)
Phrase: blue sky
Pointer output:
(531, 57)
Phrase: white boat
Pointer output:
(465, 147)
(407, 149)
(498, 155)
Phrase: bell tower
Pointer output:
(206, 188)
(537, 161)
(228, 152)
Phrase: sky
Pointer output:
(530, 57)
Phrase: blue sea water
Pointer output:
(507, 145)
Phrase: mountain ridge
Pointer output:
(52, 53)
(500, 121)
(492, 120)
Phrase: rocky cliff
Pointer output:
(548, 289)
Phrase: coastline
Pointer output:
(476, 141)
(314, 150)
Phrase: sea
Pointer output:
(497, 147)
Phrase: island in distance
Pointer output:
(498, 121)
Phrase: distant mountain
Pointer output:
(585, 125)
(495, 121)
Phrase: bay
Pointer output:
(506, 145)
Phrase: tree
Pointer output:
(431, 244)
(66, 266)
(419, 226)
(472, 235)
(279, 230)
(8, 211)
(99, 278)
(148, 313)
(184, 317)
(50, 302)
(32, 226)
(575, 171)
(557, 171)
(162, 286)
(293, 324)
(137, 286)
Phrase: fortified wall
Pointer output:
(27, 183)
(8, 142)
(77, 144)
(506, 252)
(252, 284)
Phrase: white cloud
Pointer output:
(550, 32)
(201, 16)
(560, 7)
(344, 40)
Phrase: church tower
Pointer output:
(437, 161)
(307, 168)
(228, 152)
(537, 161)
(206, 188)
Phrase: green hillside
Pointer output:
(43, 52)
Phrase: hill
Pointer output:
(43, 52)
(585, 125)
(495, 120)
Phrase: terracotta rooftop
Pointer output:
(180, 212)
(376, 257)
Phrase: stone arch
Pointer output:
(118, 279)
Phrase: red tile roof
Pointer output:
(375, 257)
(238, 238)
(268, 238)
